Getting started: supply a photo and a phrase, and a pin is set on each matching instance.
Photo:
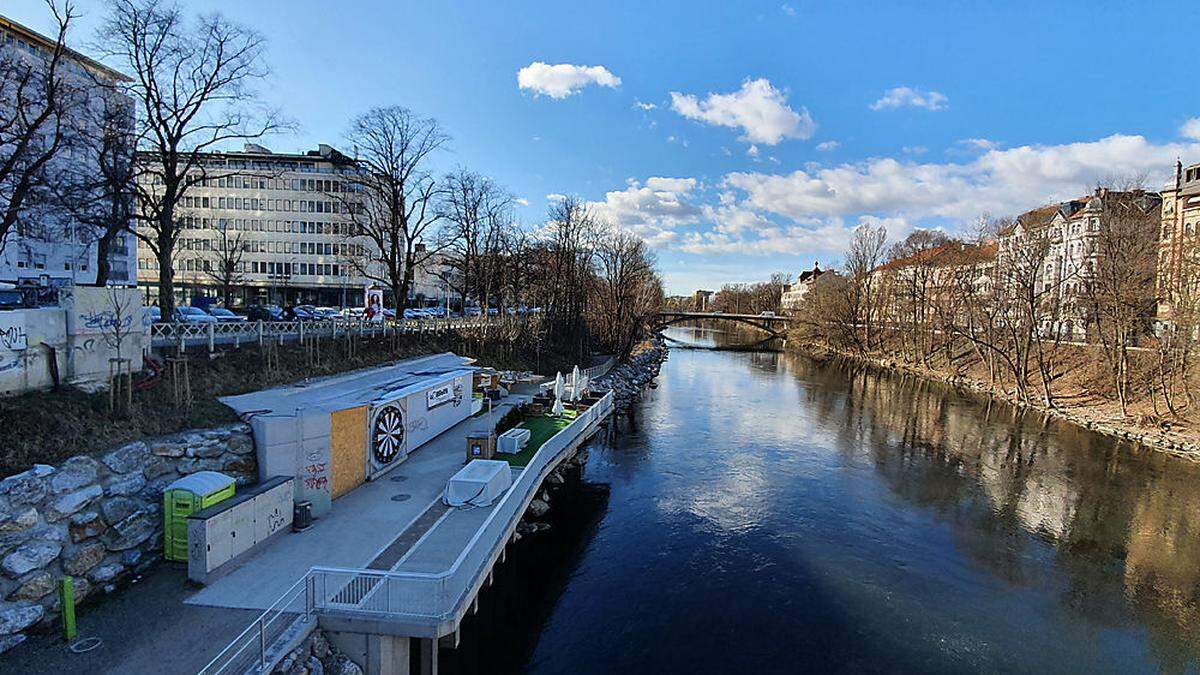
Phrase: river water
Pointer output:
(766, 513)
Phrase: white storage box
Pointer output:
(479, 483)
(512, 441)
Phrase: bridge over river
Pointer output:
(775, 325)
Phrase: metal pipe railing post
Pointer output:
(262, 644)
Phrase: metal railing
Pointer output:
(183, 335)
(435, 595)
(600, 369)
(255, 649)
(431, 596)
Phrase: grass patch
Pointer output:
(541, 429)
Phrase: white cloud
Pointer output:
(1191, 129)
(900, 97)
(561, 80)
(752, 151)
(978, 144)
(644, 106)
(522, 201)
(914, 149)
(828, 146)
(814, 211)
(555, 197)
(652, 210)
(998, 181)
(758, 109)
(788, 9)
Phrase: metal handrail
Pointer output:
(380, 592)
(183, 334)
(505, 514)
(231, 659)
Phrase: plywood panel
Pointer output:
(348, 448)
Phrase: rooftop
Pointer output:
(24, 32)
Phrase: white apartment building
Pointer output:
(793, 294)
(285, 213)
(1068, 231)
(48, 243)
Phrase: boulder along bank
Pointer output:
(627, 381)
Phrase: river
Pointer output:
(761, 512)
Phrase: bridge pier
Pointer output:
(388, 654)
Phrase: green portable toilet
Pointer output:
(184, 497)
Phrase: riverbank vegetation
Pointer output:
(954, 310)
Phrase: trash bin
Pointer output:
(184, 497)
(302, 517)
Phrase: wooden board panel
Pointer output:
(348, 448)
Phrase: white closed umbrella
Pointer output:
(557, 410)
(575, 384)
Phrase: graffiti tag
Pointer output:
(105, 320)
(315, 478)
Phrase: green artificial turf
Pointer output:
(541, 429)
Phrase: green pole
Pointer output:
(66, 596)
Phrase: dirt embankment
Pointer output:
(1081, 393)
(48, 426)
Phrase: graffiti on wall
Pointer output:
(104, 320)
(12, 331)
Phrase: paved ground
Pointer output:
(360, 528)
(144, 629)
(155, 627)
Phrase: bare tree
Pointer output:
(864, 256)
(392, 202)
(1119, 291)
(193, 84)
(571, 237)
(915, 262)
(628, 290)
(474, 212)
(36, 101)
(222, 260)
(99, 192)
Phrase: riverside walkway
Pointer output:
(391, 569)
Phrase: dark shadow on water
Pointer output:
(501, 637)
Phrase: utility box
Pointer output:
(182, 498)
(222, 534)
(479, 483)
(482, 446)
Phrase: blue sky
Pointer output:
(776, 128)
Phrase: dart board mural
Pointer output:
(387, 436)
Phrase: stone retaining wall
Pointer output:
(97, 518)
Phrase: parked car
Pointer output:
(225, 316)
(389, 314)
(327, 312)
(414, 313)
(304, 313)
(265, 313)
(472, 311)
(767, 313)
(439, 312)
(194, 315)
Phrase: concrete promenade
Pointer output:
(161, 626)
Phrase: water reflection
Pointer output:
(768, 511)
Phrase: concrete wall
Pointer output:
(91, 326)
(97, 518)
